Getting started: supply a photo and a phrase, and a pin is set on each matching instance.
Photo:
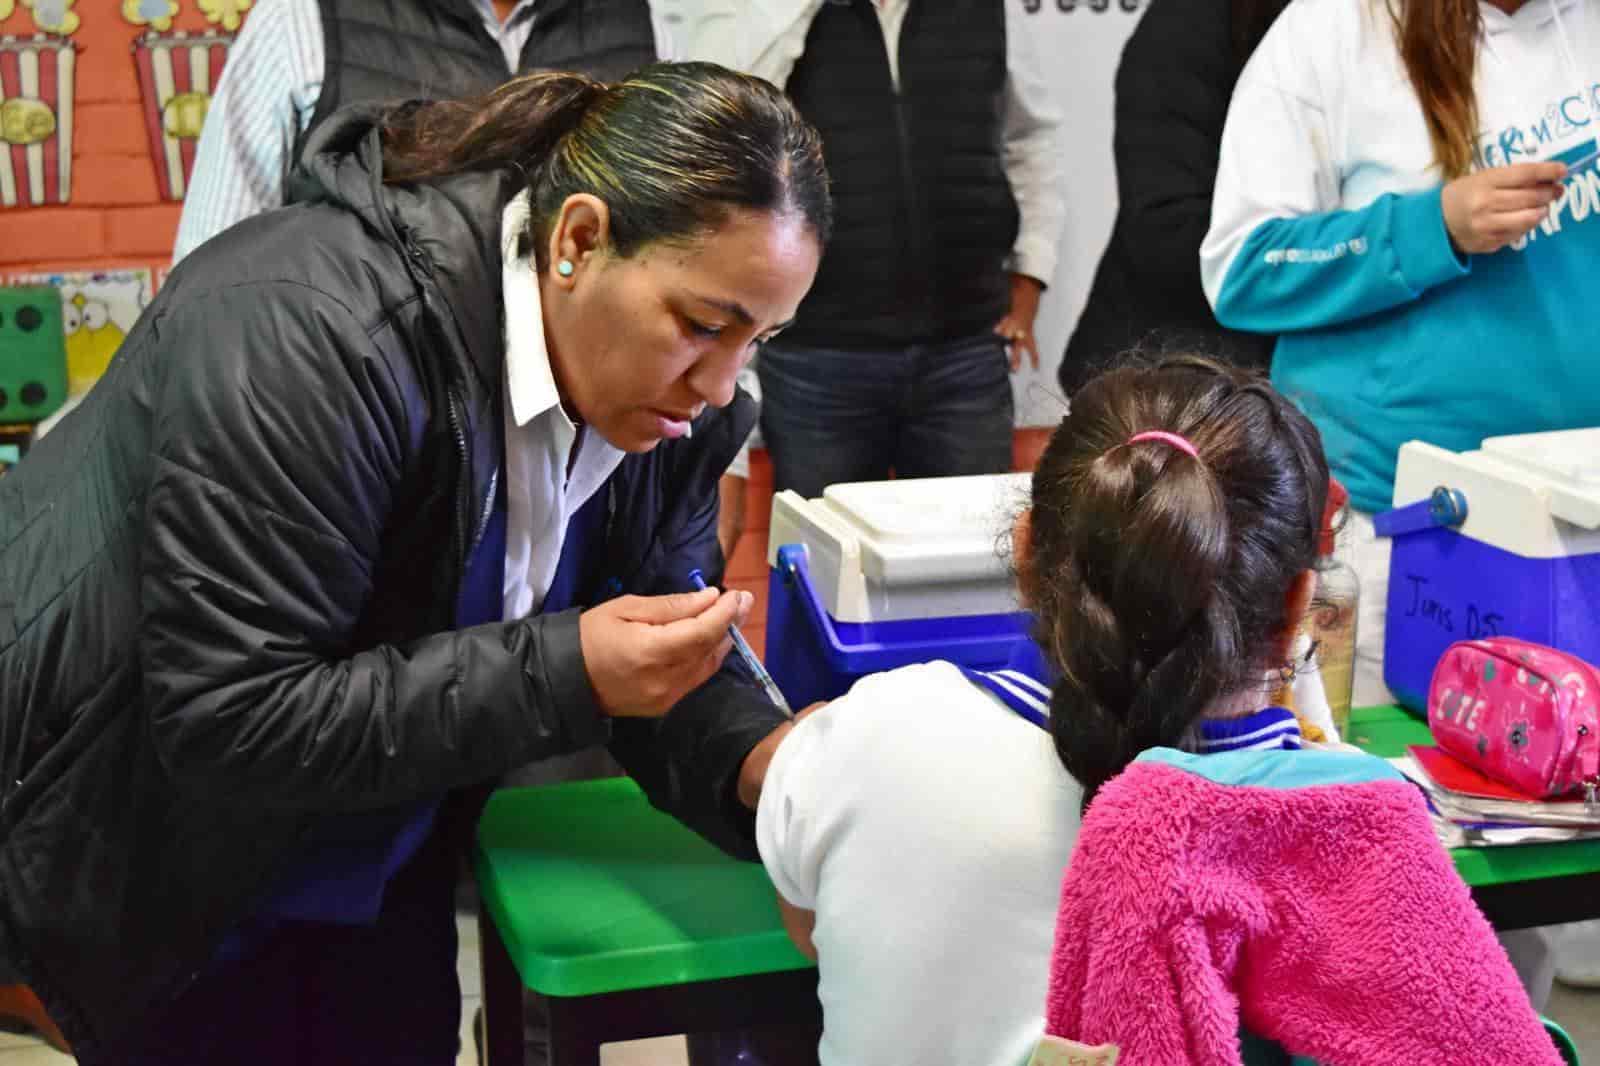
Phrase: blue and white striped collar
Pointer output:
(1269, 729)
(1023, 685)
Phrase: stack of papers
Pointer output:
(1474, 811)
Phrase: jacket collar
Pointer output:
(448, 231)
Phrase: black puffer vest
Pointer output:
(435, 49)
(924, 215)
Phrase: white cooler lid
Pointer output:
(931, 529)
(1568, 464)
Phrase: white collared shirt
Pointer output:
(767, 37)
(541, 496)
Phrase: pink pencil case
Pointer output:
(1521, 713)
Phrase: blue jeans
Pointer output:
(928, 410)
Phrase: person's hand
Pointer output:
(753, 771)
(1017, 325)
(1488, 210)
(645, 653)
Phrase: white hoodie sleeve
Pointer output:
(1281, 254)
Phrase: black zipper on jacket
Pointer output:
(484, 512)
(910, 197)
(463, 530)
(463, 515)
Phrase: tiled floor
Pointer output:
(25, 1051)
(1579, 1014)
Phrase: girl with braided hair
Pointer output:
(917, 829)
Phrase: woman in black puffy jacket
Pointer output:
(388, 492)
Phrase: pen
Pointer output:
(747, 653)
(1583, 162)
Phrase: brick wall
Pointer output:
(114, 216)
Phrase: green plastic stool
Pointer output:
(1564, 1042)
(1259, 1052)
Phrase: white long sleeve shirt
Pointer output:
(927, 826)
(767, 37)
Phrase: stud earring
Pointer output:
(565, 268)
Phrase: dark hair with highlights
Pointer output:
(1159, 580)
(672, 149)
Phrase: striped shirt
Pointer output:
(1024, 684)
(1024, 687)
(267, 95)
(1026, 696)
(1269, 729)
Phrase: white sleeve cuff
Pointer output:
(1034, 256)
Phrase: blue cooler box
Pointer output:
(877, 575)
(1525, 563)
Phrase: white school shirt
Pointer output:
(766, 37)
(266, 96)
(928, 826)
(540, 495)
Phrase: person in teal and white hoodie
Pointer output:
(1407, 195)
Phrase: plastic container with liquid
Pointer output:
(1331, 623)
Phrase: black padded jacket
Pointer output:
(228, 587)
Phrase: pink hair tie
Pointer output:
(1180, 443)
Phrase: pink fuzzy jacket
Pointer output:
(1299, 894)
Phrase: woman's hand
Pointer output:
(1488, 210)
(645, 653)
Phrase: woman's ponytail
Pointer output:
(522, 120)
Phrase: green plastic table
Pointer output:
(633, 926)
(630, 924)
(1527, 885)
